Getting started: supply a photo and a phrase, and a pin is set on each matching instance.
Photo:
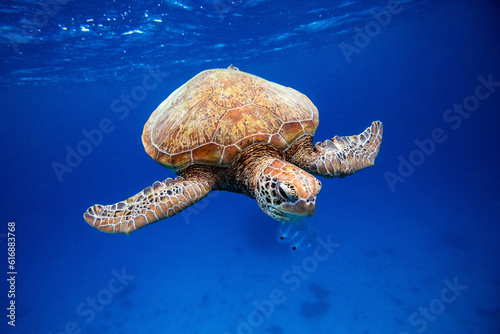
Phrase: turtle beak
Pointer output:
(299, 209)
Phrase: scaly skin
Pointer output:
(340, 156)
(282, 190)
(161, 200)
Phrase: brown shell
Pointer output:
(218, 113)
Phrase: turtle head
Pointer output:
(286, 192)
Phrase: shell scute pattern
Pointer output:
(231, 94)
(219, 113)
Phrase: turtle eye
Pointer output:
(285, 194)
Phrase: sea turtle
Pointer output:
(229, 130)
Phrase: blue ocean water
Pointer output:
(408, 246)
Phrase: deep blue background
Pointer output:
(201, 273)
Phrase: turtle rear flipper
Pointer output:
(346, 155)
(161, 200)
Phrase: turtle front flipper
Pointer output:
(161, 200)
(344, 156)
